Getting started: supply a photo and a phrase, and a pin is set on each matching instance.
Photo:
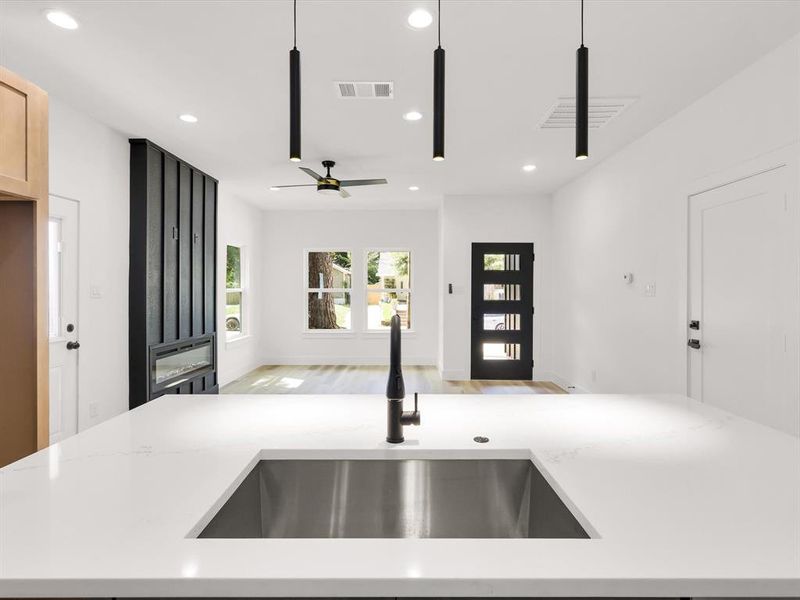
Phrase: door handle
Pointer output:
(73, 345)
(694, 344)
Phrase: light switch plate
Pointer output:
(650, 289)
(95, 291)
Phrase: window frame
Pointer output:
(243, 289)
(367, 290)
(310, 290)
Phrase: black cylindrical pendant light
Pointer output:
(582, 99)
(294, 96)
(438, 95)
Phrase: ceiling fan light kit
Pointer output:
(328, 184)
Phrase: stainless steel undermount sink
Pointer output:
(399, 498)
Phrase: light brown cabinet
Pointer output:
(23, 137)
(23, 268)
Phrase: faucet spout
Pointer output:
(395, 387)
(396, 391)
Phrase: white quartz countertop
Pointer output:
(681, 499)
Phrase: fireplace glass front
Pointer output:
(178, 363)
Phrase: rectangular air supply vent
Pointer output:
(601, 110)
(364, 90)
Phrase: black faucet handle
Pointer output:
(415, 402)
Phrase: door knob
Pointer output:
(73, 345)
(694, 344)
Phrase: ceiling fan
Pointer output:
(329, 184)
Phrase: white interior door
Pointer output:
(63, 317)
(744, 277)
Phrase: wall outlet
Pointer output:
(650, 289)
(93, 410)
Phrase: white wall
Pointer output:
(629, 214)
(287, 234)
(240, 224)
(89, 162)
(468, 219)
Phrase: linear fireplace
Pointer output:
(177, 362)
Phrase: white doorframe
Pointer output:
(786, 156)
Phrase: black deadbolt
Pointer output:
(70, 327)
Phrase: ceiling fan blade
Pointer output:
(280, 187)
(344, 193)
(310, 172)
(353, 182)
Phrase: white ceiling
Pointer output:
(137, 65)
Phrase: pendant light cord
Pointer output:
(581, 22)
(295, 24)
(440, 22)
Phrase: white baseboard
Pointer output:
(236, 373)
(415, 361)
(571, 388)
(454, 375)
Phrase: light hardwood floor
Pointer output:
(340, 379)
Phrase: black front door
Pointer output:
(502, 311)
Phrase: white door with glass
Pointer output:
(744, 315)
(63, 317)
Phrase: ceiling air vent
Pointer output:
(364, 90)
(601, 110)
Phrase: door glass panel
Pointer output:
(500, 322)
(501, 262)
(501, 291)
(54, 277)
(501, 351)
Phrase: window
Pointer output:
(388, 288)
(54, 278)
(328, 289)
(235, 293)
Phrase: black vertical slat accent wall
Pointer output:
(170, 236)
(172, 281)
(185, 252)
(198, 193)
(210, 264)
(153, 248)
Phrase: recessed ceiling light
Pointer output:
(529, 168)
(61, 19)
(274, 189)
(412, 115)
(414, 188)
(187, 118)
(420, 18)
